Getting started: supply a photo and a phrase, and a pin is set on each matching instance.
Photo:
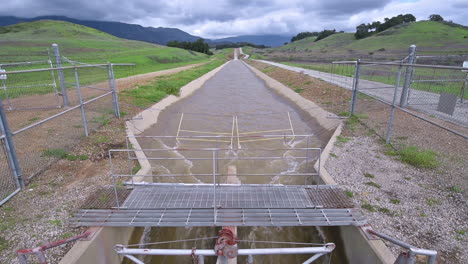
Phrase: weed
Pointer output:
(33, 119)
(43, 193)
(307, 82)
(55, 222)
(3, 243)
(395, 201)
(376, 185)
(368, 175)
(56, 153)
(103, 198)
(419, 158)
(8, 209)
(345, 113)
(102, 139)
(423, 214)
(407, 178)
(298, 90)
(384, 210)
(432, 201)
(342, 139)
(102, 120)
(368, 207)
(333, 155)
(123, 113)
(7, 223)
(461, 232)
(350, 194)
(456, 189)
(66, 235)
(33, 185)
(78, 126)
(136, 169)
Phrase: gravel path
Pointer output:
(402, 201)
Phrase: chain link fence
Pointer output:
(413, 106)
(47, 108)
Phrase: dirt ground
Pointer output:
(39, 214)
(424, 207)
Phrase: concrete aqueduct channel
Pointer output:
(260, 104)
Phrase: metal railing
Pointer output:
(217, 159)
(410, 257)
(200, 254)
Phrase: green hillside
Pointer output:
(29, 42)
(430, 37)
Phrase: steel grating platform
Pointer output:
(224, 217)
(236, 205)
(237, 196)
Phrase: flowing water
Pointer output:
(233, 91)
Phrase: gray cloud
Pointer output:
(219, 18)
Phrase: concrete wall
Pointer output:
(100, 247)
(355, 245)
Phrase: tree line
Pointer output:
(319, 35)
(199, 46)
(239, 45)
(366, 30)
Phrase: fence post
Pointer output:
(115, 96)
(408, 76)
(392, 113)
(10, 148)
(78, 91)
(355, 87)
(58, 62)
(465, 85)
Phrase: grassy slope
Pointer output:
(29, 41)
(425, 34)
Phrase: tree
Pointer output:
(362, 31)
(436, 17)
(303, 35)
(325, 33)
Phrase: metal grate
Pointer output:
(224, 217)
(240, 196)
(332, 197)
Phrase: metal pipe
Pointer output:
(392, 113)
(134, 259)
(355, 88)
(313, 258)
(328, 248)
(9, 196)
(10, 148)
(404, 64)
(80, 98)
(408, 77)
(68, 67)
(214, 187)
(59, 69)
(115, 96)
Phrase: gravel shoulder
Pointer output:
(424, 207)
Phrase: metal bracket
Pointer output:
(365, 229)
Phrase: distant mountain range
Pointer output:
(158, 35)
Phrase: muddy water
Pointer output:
(233, 91)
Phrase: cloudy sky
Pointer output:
(222, 18)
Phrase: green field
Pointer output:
(30, 41)
(424, 34)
